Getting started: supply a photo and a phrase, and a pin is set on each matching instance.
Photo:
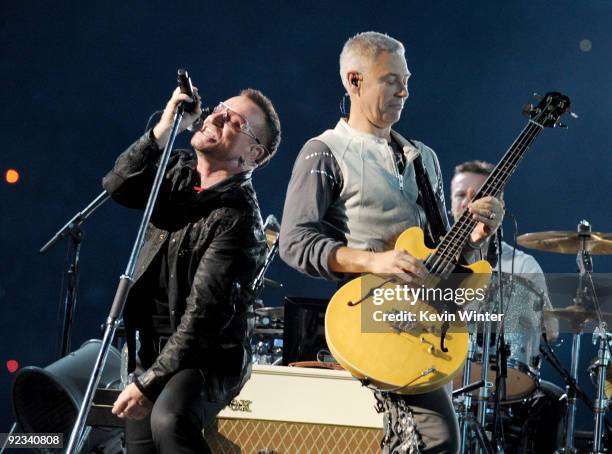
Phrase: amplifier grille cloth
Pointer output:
(247, 436)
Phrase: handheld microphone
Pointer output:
(186, 87)
(197, 124)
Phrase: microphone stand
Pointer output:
(466, 407)
(123, 288)
(258, 283)
(502, 352)
(71, 276)
(486, 341)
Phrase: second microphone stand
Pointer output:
(71, 276)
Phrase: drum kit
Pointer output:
(267, 339)
(501, 402)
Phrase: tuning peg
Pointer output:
(527, 109)
(573, 115)
(561, 125)
(538, 96)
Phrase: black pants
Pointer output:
(175, 424)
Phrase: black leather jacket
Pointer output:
(215, 247)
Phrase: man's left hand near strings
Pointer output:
(489, 212)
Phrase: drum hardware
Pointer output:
(584, 243)
(577, 315)
(572, 390)
(269, 331)
(518, 413)
(481, 435)
(593, 368)
(586, 246)
(535, 424)
(501, 372)
(601, 336)
(523, 301)
(520, 355)
(483, 393)
(467, 421)
(466, 418)
(566, 242)
(268, 350)
(276, 313)
(602, 401)
(566, 284)
(531, 425)
(267, 339)
(467, 389)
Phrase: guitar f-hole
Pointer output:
(442, 338)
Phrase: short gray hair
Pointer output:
(364, 47)
(479, 167)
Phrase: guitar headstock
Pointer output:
(550, 109)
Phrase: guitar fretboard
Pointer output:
(454, 241)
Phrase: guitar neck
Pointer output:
(454, 241)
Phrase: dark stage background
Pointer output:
(79, 80)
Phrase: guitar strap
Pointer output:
(436, 228)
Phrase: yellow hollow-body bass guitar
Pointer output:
(415, 340)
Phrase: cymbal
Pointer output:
(272, 312)
(577, 315)
(567, 242)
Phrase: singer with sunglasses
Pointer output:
(190, 295)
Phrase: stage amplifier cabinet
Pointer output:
(291, 410)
